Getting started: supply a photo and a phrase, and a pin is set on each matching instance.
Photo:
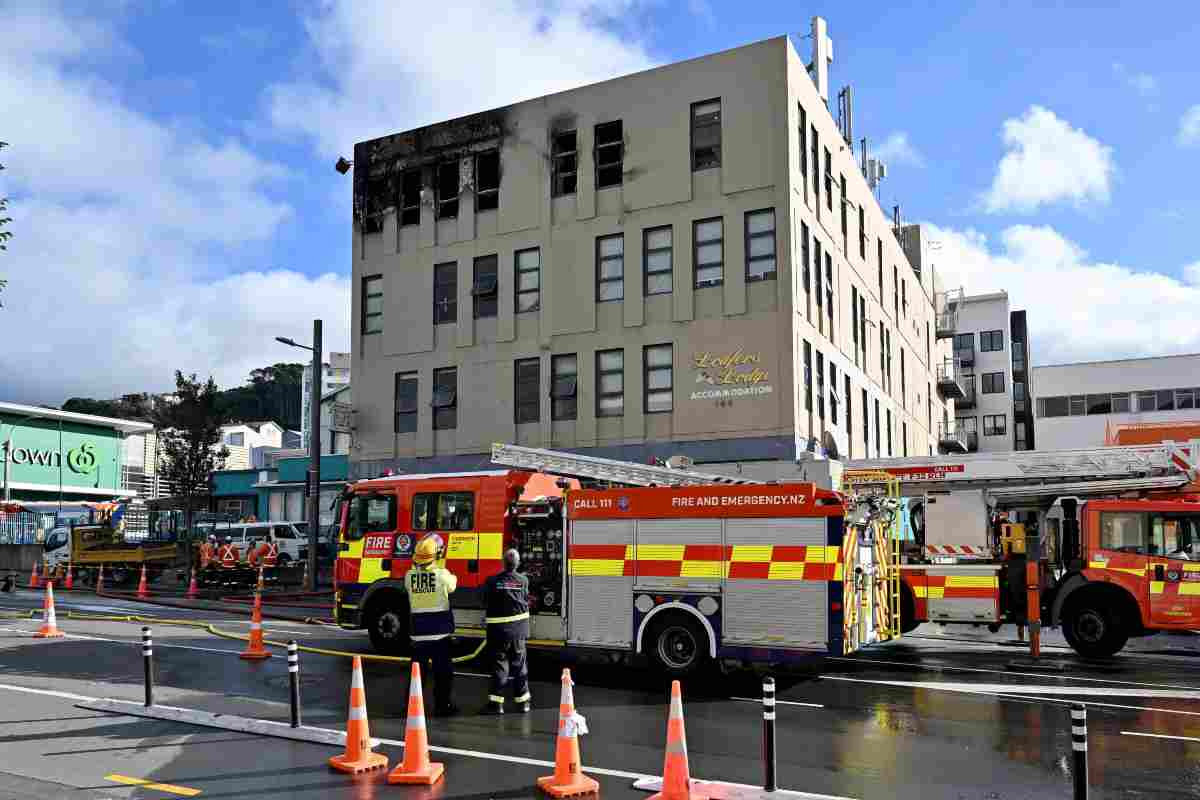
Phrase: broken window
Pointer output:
(445, 293)
(410, 197)
(485, 287)
(447, 190)
(445, 399)
(706, 135)
(564, 387)
(529, 283)
(566, 163)
(379, 199)
(610, 154)
(487, 180)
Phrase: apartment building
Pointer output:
(994, 412)
(1078, 404)
(683, 261)
(335, 373)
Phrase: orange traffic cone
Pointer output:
(70, 584)
(193, 588)
(143, 589)
(260, 579)
(100, 580)
(416, 767)
(677, 783)
(568, 779)
(49, 629)
(254, 650)
(358, 756)
(34, 581)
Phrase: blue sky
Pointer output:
(175, 205)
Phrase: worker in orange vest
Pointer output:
(208, 551)
(229, 554)
(253, 552)
(269, 551)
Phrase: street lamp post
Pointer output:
(314, 451)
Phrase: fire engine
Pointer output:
(1113, 532)
(682, 567)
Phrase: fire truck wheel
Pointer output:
(908, 611)
(386, 620)
(1093, 627)
(677, 643)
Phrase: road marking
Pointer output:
(160, 643)
(1161, 736)
(779, 702)
(159, 787)
(1012, 688)
(47, 693)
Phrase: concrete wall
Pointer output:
(19, 558)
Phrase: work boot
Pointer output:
(493, 708)
(524, 707)
(445, 711)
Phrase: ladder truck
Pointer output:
(679, 567)
(1103, 542)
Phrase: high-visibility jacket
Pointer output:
(506, 598)
(429, 589)
(206, 554)
(229, 556)
(270, 554)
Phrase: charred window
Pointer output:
(487, 180)
(485, 288)
(447, 190)
(410, 197)
(610, 153)
(445, 293)
(566, 163)
(706, 134)
(379, 199)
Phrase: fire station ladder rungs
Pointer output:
(604, 469)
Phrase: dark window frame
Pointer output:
(600, 375)
(828, 180)
(410, 412)
(829, 293)
(422, 500)
(845, 218)
(563, 181)
(697, 244)
(803, 149)
(648, 251)
(751, 277)
(368, 318)
(447, 207)
(990, 428)
(564, 388)
(816, 166)
(601, 259)
(820, 386)
(485, 287)
(527, 391)
(518, 292)
(601, 149)
(445, 407)
(410, 197)
(991, 341)
(647, 369)
(808, 377)
(487, 198)
(804, 258)
(862, 233)
(993, 379)
(714, 161)
(448, 313)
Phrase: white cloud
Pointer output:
(378, 67)
(123, 229)
(1048, 161)
(1189, 127)
(1143, 83)
(896, 149)
(1079, 308)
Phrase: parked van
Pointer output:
(288, 535)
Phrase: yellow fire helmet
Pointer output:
(426, 551)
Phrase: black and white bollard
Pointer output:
(294, 680)
(148, 663)
(1079, 750)
(768, 702)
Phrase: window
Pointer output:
(610, 383)
(410, 197)
(993, 425)
(877, 450)
(1185, 398)
(820, 386)
(706, 134)
(237, 439)
(485, 289)
(657, 247)
(1147, 401)
(445, 293)
(566, 163)
(904, 296)
(447, 511)
(849, 409)
(447, 190)
(709, 252)
(887, 335)
(371, 513)
(1096, 403)
(760, 245)
(895, 290)
(1019, 397)
(564, 387)
(845, 224)
(882, 356)
(829, 290)
(487, 180)
(1166, 400)
(804, 256)
(1120, 403)
(828, 180)
(833, 398)
(889, 433)
(1078, 405)
(862, 233)
(854, 320)
(1018, 351)
(862, 323)
(527, 390)
(967, 425)
(656, 361)
(866, 424)
(879, 249)
(529, 279)
(1021, 440)
(610, 154)
(406, 402)
(817, 271)
(445, 399)
(903, 381)
(816, 167)
(993, 383)
(991, 341)
(1124, 530)
(807, 376)
(610, 268)
(964, 348)
(803, 149)
(904, 438)
(372, 304)
(1175, 536)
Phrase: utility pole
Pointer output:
(314, 458)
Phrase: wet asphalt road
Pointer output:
(939, 715)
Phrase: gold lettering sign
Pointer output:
(736, 368)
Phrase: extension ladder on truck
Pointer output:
(604, 469)
(879, 601)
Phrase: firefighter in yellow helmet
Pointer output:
(431, 622)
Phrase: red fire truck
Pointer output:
(682, 567)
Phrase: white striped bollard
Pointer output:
(1079, 750)
(294, 680)
(768, 702)
(148, 663)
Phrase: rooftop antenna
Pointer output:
(846, 114)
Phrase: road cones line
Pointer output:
(193, 591)
(143, 590)
(49, 629)
(416, 766)
(358, 756)
(34, 580)
(677, 783)
(70, 584)
(255, 651)
(568, 779)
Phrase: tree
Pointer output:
(189, 435)
(4, 220)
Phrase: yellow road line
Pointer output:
(184, 791)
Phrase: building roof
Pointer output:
(36, 412)
(1117, 361)
(336, 391)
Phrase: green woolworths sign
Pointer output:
(38, 453)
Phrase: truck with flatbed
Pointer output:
(101, 541)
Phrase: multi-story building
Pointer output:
(687, 260)
(1078, 403)
(335, 373)
(991, 362)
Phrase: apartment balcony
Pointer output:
(972, 439)
(946, 305)
(949, 385)
(968, 386)
(951, 440)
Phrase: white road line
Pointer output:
(159, 643)
(1161, 736)
(1012, 688)
(778, 702)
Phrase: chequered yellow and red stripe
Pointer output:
(948, 587)
(746, 562)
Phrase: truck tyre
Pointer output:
(386, 621)
(1094, 628)
(677, 644)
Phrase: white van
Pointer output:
(288, 536)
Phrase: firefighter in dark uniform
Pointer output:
(506, 598)
(431, 621)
